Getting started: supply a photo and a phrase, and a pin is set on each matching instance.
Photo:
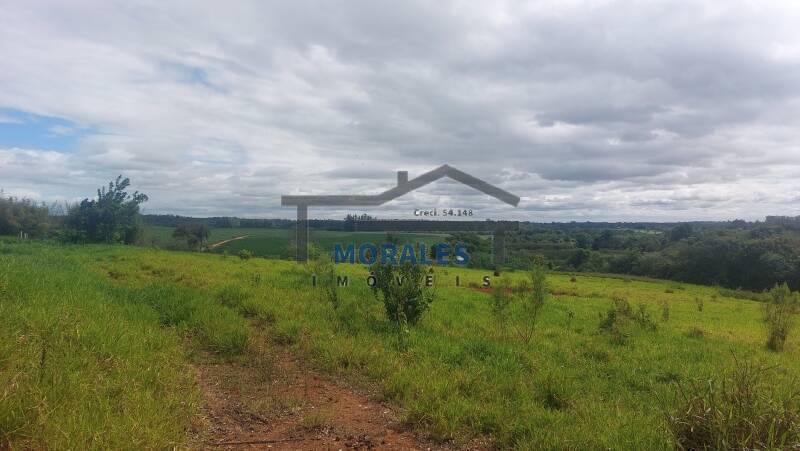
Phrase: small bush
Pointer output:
(245, 254)
(698, 302)
(664, 311)
(403, 292)
(621, 316)
(744, 409)
(532, 302)
(779, 315)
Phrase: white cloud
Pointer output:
(601, 110)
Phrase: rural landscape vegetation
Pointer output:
(114, 324)
(400, 225)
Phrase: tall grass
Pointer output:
(81, 369)
(741, 409)
(456, 379)
(89, 364)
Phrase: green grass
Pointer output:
(89, 364)
(275, 243)
(459, 376)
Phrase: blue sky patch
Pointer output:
(31, 131)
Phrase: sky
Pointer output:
(586, 110)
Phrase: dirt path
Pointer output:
(224, 242)
(273, 402)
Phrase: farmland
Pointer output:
(276, 243)
(103, 338)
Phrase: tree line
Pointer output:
(738, 255)
(111, 217)
(733, 254)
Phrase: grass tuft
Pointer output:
(743, 409)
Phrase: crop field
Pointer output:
(277, 242)
(104, 338)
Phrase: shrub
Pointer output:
(621, 316)
(245, 254)
(194, 234)
(698, 301)
(744, 409)
(403, 292)
(779, 315)
(664, 311)
(532, 302)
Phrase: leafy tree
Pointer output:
(111, 218)
(579, 258)
(680, 232)
(195, 234)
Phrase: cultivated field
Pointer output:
(107, 347)
(276, 243)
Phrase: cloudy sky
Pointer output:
(590, 110)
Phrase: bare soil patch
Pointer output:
(273, 402)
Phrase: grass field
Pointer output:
(99, 338)
(275, 243)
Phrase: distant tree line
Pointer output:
(732, 254)
(112, 217)
(23, 216)
(736, 254)
(232, 222)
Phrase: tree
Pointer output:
(195, 234)
(111, 218)
(680, 232)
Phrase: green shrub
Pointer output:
(532, 302)
(500, 299)
(744, 409)
(245, 254)
(779, 315)
(403, 292)
(621, 316)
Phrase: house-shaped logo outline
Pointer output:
(404, 186)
